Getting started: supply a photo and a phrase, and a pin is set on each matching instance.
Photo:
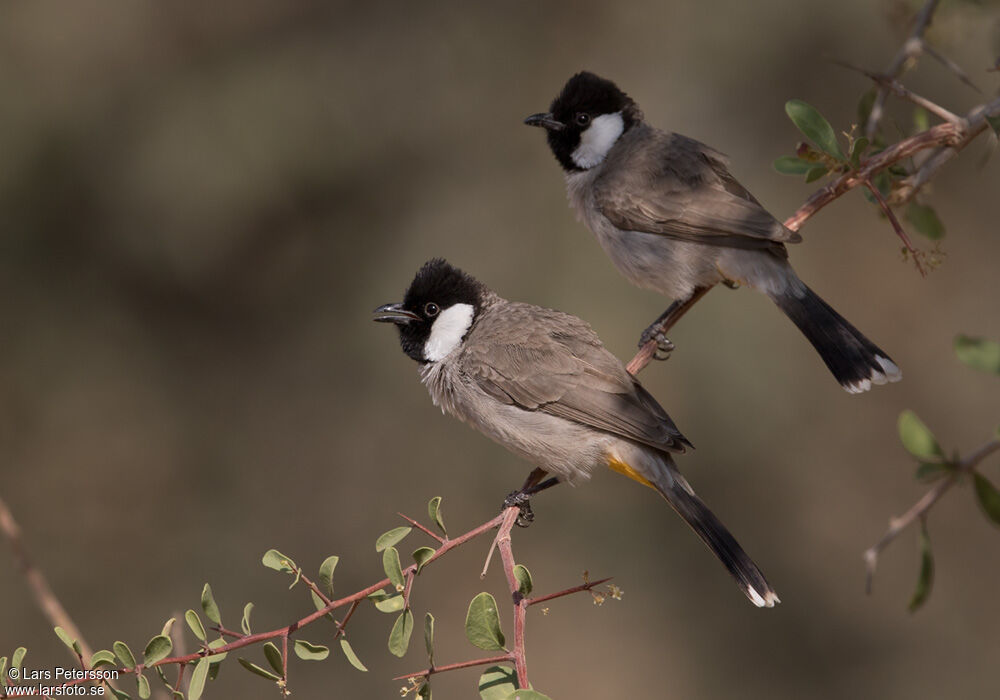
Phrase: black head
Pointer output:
(581, 122)
(439, 307)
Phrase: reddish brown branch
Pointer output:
(422, 528)
(569, 591)
(896, 226)
(431, 670)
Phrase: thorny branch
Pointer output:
(922, 506)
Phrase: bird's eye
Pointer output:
(582, 119)
(431, 309)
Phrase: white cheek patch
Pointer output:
(597, 140)
(447, 331)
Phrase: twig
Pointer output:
(46, 599)
(897, 227)
(897, 89)
(952, 66)
(569, 591)
(422, 528)
(922, 506)
(910, 49)
(431, 670)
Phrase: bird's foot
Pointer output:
(663, 345)
(521, 501)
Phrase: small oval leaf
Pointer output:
(245, 622)
(326, 573)
(143, 686)
(391, 538)
(102, 658)
(73, 644)
(429, 636)
(815, 126)
(528, 695)
(17, 658)
(925, 220)
(815, 173)
(254, 668)
(209, 606)
(978, 353)
(792, 165)
(198, 678)
(194, 622)
(273, 559)
(399, 637)
(390, 562)
(434, 511)
(124, 654)
(422, 556)
(482, 623)
(158, 648)
(273, 656)
(524, 582)
(390, 604)
(497, 683)
(916, 438)
(308, 651)
(352, 658)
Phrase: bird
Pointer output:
(540, 383)
(674, 220)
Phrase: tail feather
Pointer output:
(855, 361)
(713, 533)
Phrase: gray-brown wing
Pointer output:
(675, 186)
(552, 362)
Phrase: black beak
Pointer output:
(544, 120)
(394, 313)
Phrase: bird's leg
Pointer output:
(657, 331)
(521, 498)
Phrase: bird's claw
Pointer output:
(521, 501)
(663, 345)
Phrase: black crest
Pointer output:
(436, 287)
(584, 97)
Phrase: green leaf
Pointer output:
(926, 578)
(3, 672)
(215, 644)
(17, 658)
(308, 651)
(73, 644)
(434, 511)
(273, 656)
(143, 684)
(390, 562)
(120, 694)
(858, 150)
(102, 658)
(988, 496)
(921, 120)
(816, 173)
(792, 165)
(245, 622)
(209, 606)
(482, 623)
(916, 438)
(429, 636)
(424, 692)
(167, 626)
(159, 648)
(194, 622)
(254, 668)
(390, 604)
(198, 678)
(421, 556)
(497, 683)
(124, 654)
(273, 559)
(317, 601)
(326, 573)
(391, 538)
(524, 582)
(352, 658)
(925, 220)
(815, 126)
(528, 695)
(932, 471)
(978, 353)
(399, 637)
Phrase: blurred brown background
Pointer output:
(202, 204)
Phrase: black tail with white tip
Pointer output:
(710, 529)
(855, 361)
